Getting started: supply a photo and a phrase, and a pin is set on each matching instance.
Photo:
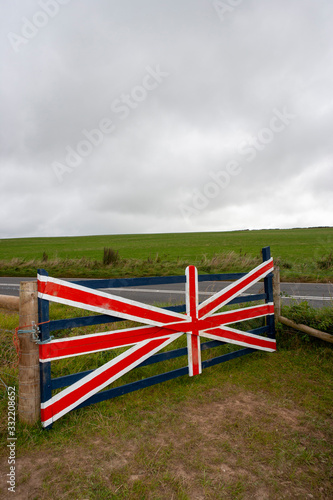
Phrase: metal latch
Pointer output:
(35, 334)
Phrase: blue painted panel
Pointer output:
(100, 319)
(259, 331)
(268, 286)
(155, 280)
(226, 357)
(248, 298)
(179, 309)
(220, 277)
(134, 386)
(42, 272)
(158, 379)
(125, 282)
(66, 380)
(44, 328)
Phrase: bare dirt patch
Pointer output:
(240, 446)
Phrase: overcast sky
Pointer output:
(145, 116)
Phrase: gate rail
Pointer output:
(47, 326)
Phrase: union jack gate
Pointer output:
(161, 327)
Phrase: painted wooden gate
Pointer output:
(161, 327)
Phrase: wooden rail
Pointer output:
(288, 322)
(10, 302)
(307, 329)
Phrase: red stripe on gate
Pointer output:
(196, 355)
(228, 317)
(192, 298)
(74, 346)
(94, 383)
(235, 289)
(81, 296)
(193, 339)
(40, 285)
(224, 318)
(250, 340)
(97, 342)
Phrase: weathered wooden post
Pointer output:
(29, 385)
(276, 293)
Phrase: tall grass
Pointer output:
(303, 254)
(110, 256)
(113, 265)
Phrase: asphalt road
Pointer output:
(317, 294)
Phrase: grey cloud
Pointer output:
(225, 80)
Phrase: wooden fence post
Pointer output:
(276, 293)
(29, 385)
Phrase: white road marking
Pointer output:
(306, 297)
(179, 292)
(151, 290)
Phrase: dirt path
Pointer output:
(240, 446)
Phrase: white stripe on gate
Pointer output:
(253, 313)
(147, 309)
(92, 339)
(219, 297)
(98, 371)
(46, 360)
(218, 334)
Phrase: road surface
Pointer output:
(316, 294)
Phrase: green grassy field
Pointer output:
(255, 427)
(302, 253)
